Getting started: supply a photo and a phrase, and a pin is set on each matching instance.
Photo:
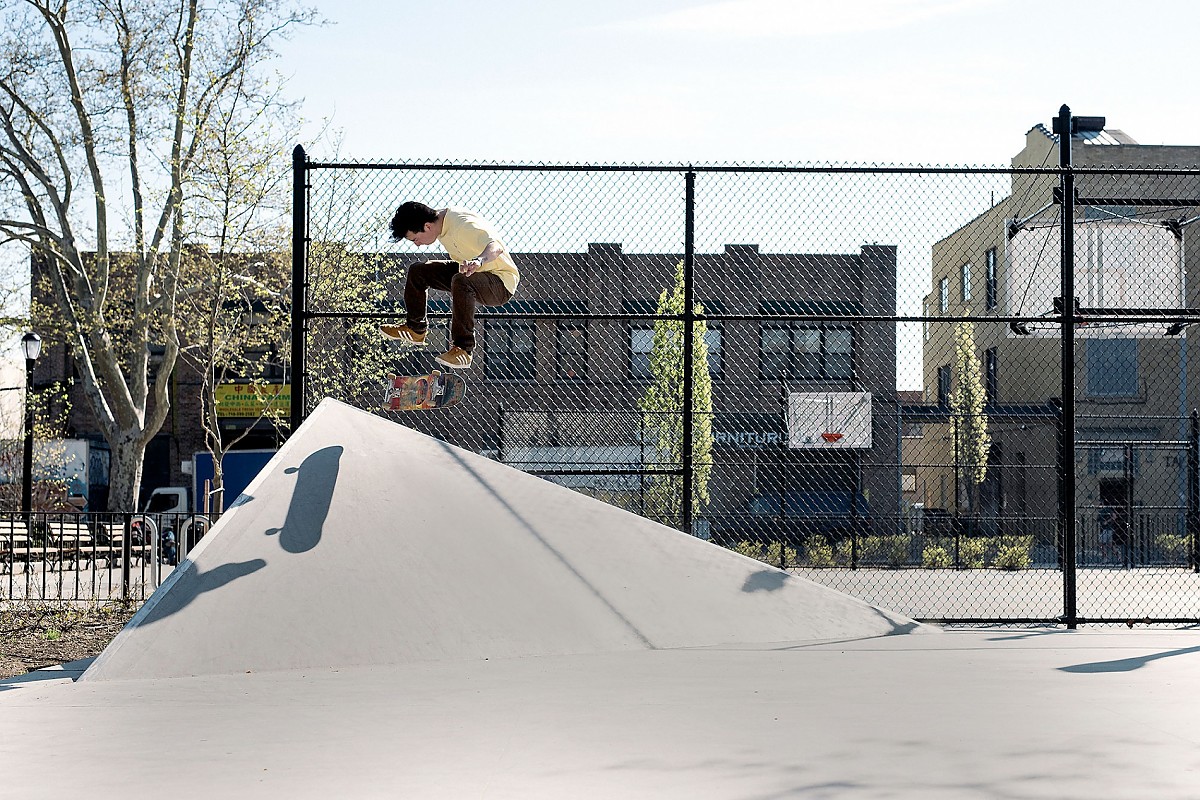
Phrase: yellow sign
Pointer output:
(252, 400)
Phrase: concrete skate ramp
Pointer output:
(365, 542)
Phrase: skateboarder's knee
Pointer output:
(460, 283)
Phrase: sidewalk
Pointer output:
(978, 714)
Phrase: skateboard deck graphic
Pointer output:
(420, 392)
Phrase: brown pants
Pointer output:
(466, 291)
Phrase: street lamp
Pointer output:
(31, 344)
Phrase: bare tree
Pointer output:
(233, 315)
(106, 109)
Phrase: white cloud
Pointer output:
(797, 18)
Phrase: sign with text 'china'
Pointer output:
(252, 400)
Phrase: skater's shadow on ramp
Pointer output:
(195, 583)
(766, 580)
(316, 477)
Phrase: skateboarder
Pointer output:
(482, 271)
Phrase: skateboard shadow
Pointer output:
(316, 477)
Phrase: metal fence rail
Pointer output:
(89, 556)
(1058, 442)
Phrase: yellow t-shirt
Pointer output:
(465, 234)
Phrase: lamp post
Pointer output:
(31, 344)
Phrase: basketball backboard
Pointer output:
(1119, 263)
(829, 420)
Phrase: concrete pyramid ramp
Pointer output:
(365, 542)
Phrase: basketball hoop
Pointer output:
(831, 437)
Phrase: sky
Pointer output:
(862, 82)
(798, 81)
(899, 82)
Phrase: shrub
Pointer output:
(935, 557)
(1012, 552)
(890, 550)
(819, 552)
(1172, 547)
(766, 552)
(970, 552)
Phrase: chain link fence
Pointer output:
(888, 394)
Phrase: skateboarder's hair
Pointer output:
(411, 217)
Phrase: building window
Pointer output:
(943, 386)
(641, 342)
(991, 278)
(509, 350)
(572, 350)
(1112, 368)
(716, 355)
(965, 272)
(925, 320)
(806, 352)
(989, 377)
(944, 295)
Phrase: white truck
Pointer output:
(177, 516)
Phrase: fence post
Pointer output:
(1132, 532)
(1193, 482)
(1064, 127)
(299, 285)
(1066, 534)
(126, 554)
(689, 250)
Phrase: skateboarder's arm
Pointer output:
(491, 252)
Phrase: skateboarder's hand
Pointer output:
(469, 267)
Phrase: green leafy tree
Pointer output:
(663, 404)
(968, 422)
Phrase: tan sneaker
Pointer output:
(402, 333)
(455, 358)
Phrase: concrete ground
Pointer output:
(978, 714)
(383, 615)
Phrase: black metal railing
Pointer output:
(90, 556)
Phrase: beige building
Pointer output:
(1134, 383)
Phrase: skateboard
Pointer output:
(420, 392)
